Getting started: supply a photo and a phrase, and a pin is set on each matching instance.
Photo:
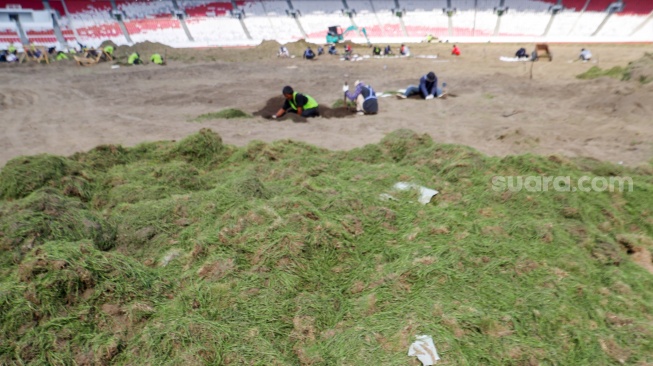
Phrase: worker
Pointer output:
(376, 51)
(134, 59)
(521, 53)
(365, 97)
(455, 51)
(283, 52)
(347, 49)
(61, 56)
(428, 88)
(585, 55)
(302, 104)
(12, 49)
(309, 54)
(403, 50)
(320, 50)
(109, 50)
(387, 51)
(332, 49)
(157, 59)
(429, 38)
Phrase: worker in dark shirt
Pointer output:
(365, 97)
(302, 104)
(309, 54)
(428, 88)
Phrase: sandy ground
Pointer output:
(499, 109)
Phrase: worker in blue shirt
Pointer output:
(428, 88)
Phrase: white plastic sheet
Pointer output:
(425, 194)
(424, 349)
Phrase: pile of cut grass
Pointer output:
(285, 253)
(595, 72)
(228, 113)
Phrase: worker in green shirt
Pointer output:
(11, 48)
(109, 50)
(134, 59)
(157, 59)
(61, 56)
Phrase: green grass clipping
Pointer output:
(229, 113)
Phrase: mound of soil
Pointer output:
(273, 104)
(268, 47)
(642, 69)
(143, 48)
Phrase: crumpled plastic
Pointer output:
(424, 349)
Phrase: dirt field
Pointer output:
(498, 110)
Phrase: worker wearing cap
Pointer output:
(302, 104)
(428, 87)
(365, 97)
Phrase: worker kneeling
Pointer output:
(302, 104)
(157, 59)
(134, 59)
(365, 97)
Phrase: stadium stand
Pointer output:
(68, 35)
(589, 22)
(419, 23)
(307, 7)
(44, 37)
(8, 35)
(523, 24)
(421, 5)
(527, 6)
(57, 6)
(253, 8)
(204, 30)
(620, 25)
(85, 8)
(209, 21)
(598, 5)
(146, 9)
(275, 7)
(486, 5)
(563, 23)
(199, 8)
(22, 4)
(167, 31)
(638, 7)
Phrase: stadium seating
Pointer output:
(421, 5)
(307, 7)
(84, 7)
(205, 29)
(23, 4)
(7, 36)
(146, 9)
(43, 37)
(638, 7)
(210, 24)
(57, 5)
(275, 7)
(199, 8)
(419, 23)
(564, 23)
(620, 26)
(523, 24)
(590, 21)
(598, 5)
(527, 6)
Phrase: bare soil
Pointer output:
(62, 108)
